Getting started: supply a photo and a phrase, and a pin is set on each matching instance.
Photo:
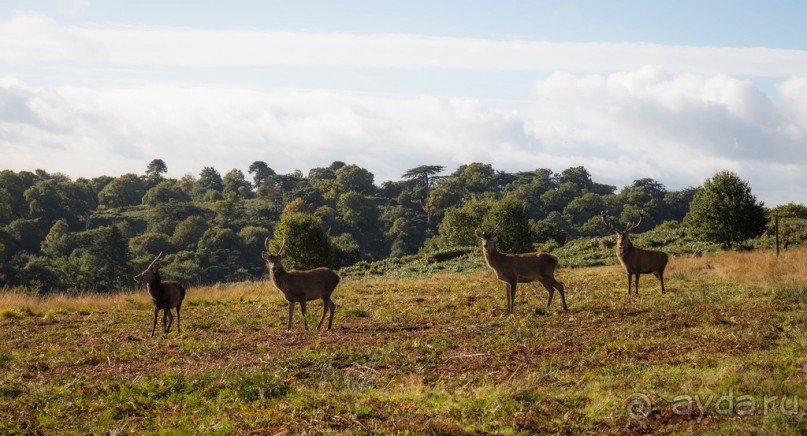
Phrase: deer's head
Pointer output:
(151, 272)
(623, 242)
(488, 237)
(273, 260)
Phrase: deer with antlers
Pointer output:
(302, 286)
(636, 261)
(520, 268)
(166, 295)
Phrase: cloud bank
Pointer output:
(624, 111)
(676, 128)
(30, 39)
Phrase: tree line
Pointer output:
(92, 234)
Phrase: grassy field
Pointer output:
(723, 351)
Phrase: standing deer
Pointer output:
(636, 260)
(302, 286)
(520, 268)
(166, 295)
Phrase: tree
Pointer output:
(155, 170)
(458, 225)
(188, 233)
(725, 211)
(260, 173)
(515, 235)
(307, 245)
(209, 180)
(424, 178)
(126, 190)
(165, 192)
(235, 182)
(353, 178)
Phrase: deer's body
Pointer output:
(303, 286)
(166, 295)
(521, 268)
(634, 260)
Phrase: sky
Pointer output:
(671, 90)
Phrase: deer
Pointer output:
(301, 286)
(166, 295)
(635, 260)
(520, 268)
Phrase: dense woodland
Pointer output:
(95, 234)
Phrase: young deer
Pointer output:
(166, 295)
(635, 260)
(520, 268)
(302, 286)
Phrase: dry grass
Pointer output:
(430, 355)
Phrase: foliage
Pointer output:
(306, 243)
(725, 211)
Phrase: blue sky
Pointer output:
(674, 91)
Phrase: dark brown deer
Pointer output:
(636, 261)
(520, 268)
(302, 286)
(166, 295)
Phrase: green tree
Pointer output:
(188, 233)
(164, 192)
(515, 234)
(126, 190)
(208, 185)
(148, 245)
(458, 225)
(154, 171)
(725, 211)
(307, 244)
(222, 256)
(423, 180)
(260, 173)
(353, 178)
(235, 183)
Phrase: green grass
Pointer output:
(429, 354)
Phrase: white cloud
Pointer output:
(676, 128)
(30, 38)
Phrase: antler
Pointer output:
(603, 214)
(630, 227)
(266, 243)
(155, 260)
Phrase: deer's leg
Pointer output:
(660, 276)
(559, 286)
(637, 283)
(630, 278)
(507, 294)
(168, 319)
(333, 309)
(324, 312)
(154, 326)
(291, 313)
(513, 286)
(551, 291)
(179, 330)
(302, 308)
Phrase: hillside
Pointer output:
(722, 351)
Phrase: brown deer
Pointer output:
(166, 295)
(636, 260)
(520, 268)
(302, 286)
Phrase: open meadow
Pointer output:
(724, 350)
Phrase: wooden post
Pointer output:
(776, 232)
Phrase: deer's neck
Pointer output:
(155, 286)
(492, 256)
(276, 274)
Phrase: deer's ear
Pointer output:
(265, 255)
(479, 233)
(282, 253)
